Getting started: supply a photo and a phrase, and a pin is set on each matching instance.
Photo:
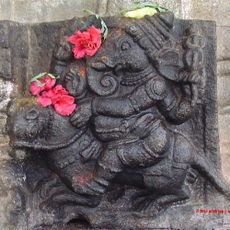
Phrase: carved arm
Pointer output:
(176, 107)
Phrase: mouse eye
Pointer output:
(125, 45)
(32, 114)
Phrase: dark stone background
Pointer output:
(26, 49)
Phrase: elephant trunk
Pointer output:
(101, 77)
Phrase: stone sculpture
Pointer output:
(148, 78)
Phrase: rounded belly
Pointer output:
(111, 128)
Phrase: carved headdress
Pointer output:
(154, 35)
(152, 32)
(180, 61)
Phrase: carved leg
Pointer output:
(54, 193)
(108, 166)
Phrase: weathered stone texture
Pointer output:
(31, 51)
(224, 91)
(6, 88)
(223, 74)
(4, 34)
(51, 10)
(223, 47)
(211, 10)
(5, 63)
(5, 9)
(48, 10)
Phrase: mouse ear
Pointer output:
(169, 63)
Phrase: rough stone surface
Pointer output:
(54, 10)
(6, 9)
(223, 47)
(223, 73)
(224, 89)
(6, 88)
(47, 10)
(24, 208)
(4, 34)
(5, 63)
(212, 10)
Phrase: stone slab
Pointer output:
(223, 91)
(5, 63)
(35, 45)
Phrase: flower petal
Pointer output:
(50, 82)
(65, 110)
(79, 53)
(48, 94)
(44, 101)
(60, 90)
(86, 43)
(63, 100)
(35, 89)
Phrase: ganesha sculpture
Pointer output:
(132, 134)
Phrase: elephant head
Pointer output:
(132, 52)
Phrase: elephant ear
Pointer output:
(169, 63)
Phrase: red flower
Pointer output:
(64, 105)
(60, 90)
(59, 98)
(45, 83)
(86, 43)
(46, 98)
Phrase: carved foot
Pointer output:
(152, 205)
(147, 206)
(55, 194)
(92, 186)
(68, 198)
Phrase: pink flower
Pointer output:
(86, 43)
(64, 105)
(58, 97)
(60, 90)
(46, 98)
(46, 83)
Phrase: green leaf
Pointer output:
(88, 11)
(40, 84)
(161, 9)
(104, 27)
(91, 13)
(53, 75)
(39, 76)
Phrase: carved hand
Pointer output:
(83, 113)
(196, 80)
(143, 125)
(75, 83)
(64, 52)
